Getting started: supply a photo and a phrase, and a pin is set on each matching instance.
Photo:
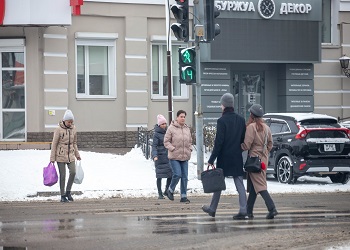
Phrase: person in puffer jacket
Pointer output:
(178, 141)
(160, 156)
(64, 150)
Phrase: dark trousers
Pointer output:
(159, 185)
(252, 197)
(62, 170)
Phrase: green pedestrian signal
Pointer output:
(187, 65)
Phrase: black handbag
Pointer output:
(253, 164)
(213, 180)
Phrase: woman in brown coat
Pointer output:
(64, 150)
(254, 141)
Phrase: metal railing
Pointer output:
(144, 140)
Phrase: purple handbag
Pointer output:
(50, 175)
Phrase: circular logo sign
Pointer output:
(266, 8)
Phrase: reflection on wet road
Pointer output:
(139, 229)
(204, 225)
(175, 224)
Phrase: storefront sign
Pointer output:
(215, 87)
(296, 87)
(297, 71)
(211, 104)
(38, 12)
(274, 9)
(210, 119)
(297, 104)
(215, 71)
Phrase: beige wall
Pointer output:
(332, 87)
(135, 25)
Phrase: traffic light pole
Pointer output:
(199, 113)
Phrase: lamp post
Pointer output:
(344, 63)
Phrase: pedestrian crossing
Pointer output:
(223, 221)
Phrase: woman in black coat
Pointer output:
(160, 156)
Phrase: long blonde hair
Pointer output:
(259, 121)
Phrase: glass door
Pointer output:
(248, 89)
(12, 94)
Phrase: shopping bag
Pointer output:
(79, 173)
(50, 175)
(253, 164)
(213, 180)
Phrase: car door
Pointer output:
(281, 134)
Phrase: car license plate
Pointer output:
(329, 147)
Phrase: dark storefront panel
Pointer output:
(267, 41)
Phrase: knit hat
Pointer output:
(160, 120)
(257, 110)
(68, 115)
(227, 100)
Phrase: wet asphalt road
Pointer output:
(306, 221)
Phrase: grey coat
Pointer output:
(163, 168)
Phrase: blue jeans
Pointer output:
(180, 170)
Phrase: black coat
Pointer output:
(163, 168)
(230, 132)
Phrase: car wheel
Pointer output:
(285, 170)
(340, 178)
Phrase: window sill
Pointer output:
(163, 99)
(97, 98)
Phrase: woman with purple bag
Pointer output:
(64, 150)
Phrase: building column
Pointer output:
(136, 73)
(55, 67)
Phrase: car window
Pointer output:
(278, 127)
(285, 128)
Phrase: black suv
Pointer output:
(308, 144)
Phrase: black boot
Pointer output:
(69, 197)
(168, 181)
(250, 203)
(160, 196)
(269, 204)
(64, 198)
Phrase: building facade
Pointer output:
(109, 65)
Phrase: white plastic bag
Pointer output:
(79, 173)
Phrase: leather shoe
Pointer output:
(170, 195)
(207, 210)
(184, 199)
(64, 198)
(240, 216)
(250, 216)
(271, 214)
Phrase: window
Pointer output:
(279, 127)
(12, 92)
(160, 75)
(95, 66)
(330, 15)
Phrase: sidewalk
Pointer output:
(116, 151)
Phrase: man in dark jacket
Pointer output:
(230, 131)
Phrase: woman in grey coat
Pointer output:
(160, 156)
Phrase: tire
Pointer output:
(284, 170)
(340, 178)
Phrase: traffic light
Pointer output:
(181, 27)
(187, 65)
(211, 12)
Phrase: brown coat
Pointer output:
(64, 144)
(178, 141)
(254, 142)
